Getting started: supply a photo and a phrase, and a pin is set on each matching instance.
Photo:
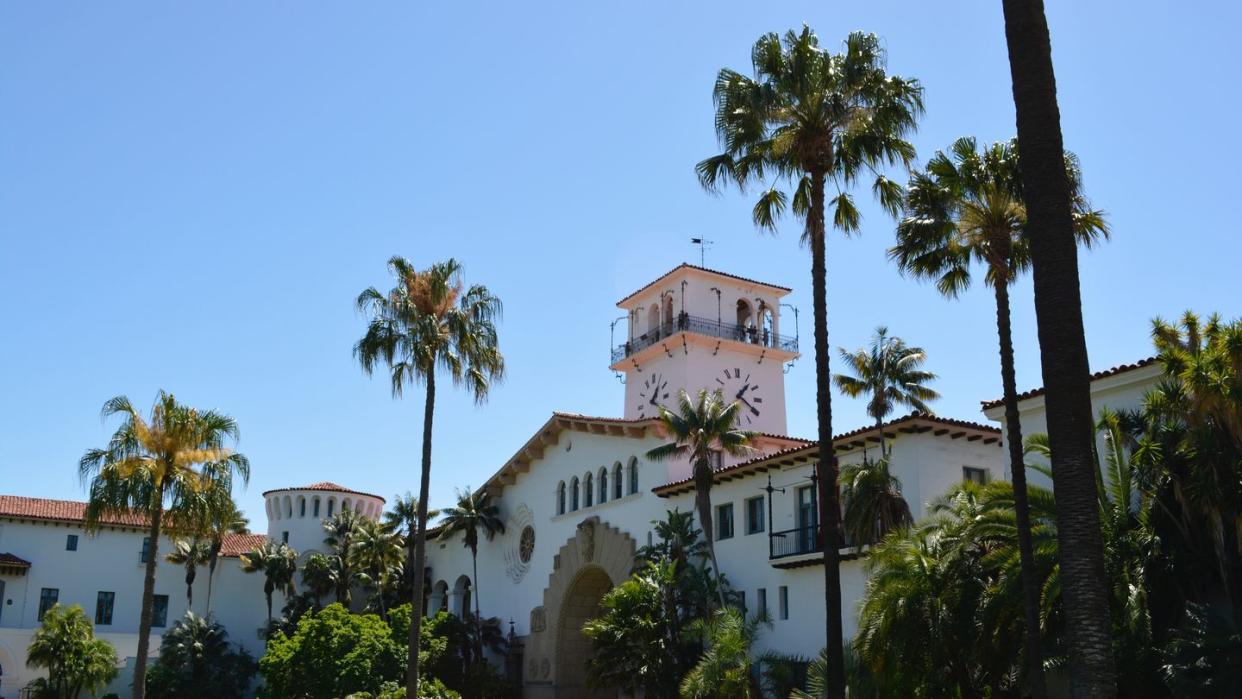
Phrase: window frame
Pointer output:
(104, 607)
(44, 596)
(721, 509)
(71, 542)
(633, 476)
(759, 526)
(968, 471)
(156, 608)
(146, 549)
(783, 602)
(761, 600)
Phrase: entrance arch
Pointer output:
(573, 648)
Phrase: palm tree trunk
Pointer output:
(826, 467)
(478, 620)
(879, 429)
(420, 542)
(1063, 350)
(1022, 508)
(269, 607)
(211, 576)
(148, 596)
(703, 503)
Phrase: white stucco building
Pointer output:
(578, 499)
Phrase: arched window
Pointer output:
(273, 508)
(618, 481)
(745, 321)
(767, 325)
(588, 490)
(603, 485)
(560, 498)
(633, 475)
(653, 318)
(331, 505)
(573, 494)
(288, 507)
(301, 505)
(668, 313)
(345, 504)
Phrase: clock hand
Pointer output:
(753, 409)
(742, 392)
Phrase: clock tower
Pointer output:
(696, 328)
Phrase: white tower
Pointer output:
(295, 515)
(695, 328)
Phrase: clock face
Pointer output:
(737, 385)
(652, 394)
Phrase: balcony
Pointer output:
(710, 328)
(795, 542)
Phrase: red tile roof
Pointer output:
(325, 485)
(686, 265)
(8, 559)
(59, 511)
(235, 545)
(1111, 371)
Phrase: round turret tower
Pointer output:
(295, 515)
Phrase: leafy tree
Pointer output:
(635, 641)
(65, 646)
(196, 659)
(702, 431)
(403, 519)
(319, 573)
(726, 668)
(891, 373)
(430, 322)
(965, 208)
(378, 552)
(190, 553)
(277, 563)
(808, 117)
(153, 465)
(1063, 346)
(874, 505)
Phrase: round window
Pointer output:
(526, 544)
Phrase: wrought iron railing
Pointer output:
(710, 328)
(795, 542)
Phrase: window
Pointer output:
(315, 507)
(103, 607)
(975, 475)
(784, 602)
(588, 490)
(284, 538)
(754, 515)
(741, 601)
(301, 507)
(71, 542)
(573, 494)
(724, 521)
(633, 476)
(146, 549)
(331, 505)
(617, 483)
(603, 485)
(560, 498)
(159, 611)
(48, 597)
(761, 601)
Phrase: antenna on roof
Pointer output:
(702, 243)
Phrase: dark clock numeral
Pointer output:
(737, 373)
(757, 399)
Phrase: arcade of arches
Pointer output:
(588, 565)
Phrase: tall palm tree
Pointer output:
(278, 563)
(874, 505)
(810, 117)
(430, 321)
(379, 552)
(191, 553)
(701, 431)
(892, 373)
(341, 529)
(222, 519)
(1063, 347)
(153, 465)
(474, 513)
(965, 208)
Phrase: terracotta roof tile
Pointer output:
(8, 559)
(1111, 371)
(59, 510)
(235, 545)
(687, 265)
(325, 485)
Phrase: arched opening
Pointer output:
(573, 648)
(301, 506)
(358, 507)
(273, 509)
(633, 474)
(288, 507)
(345, 504)
(560, 498)
(460, 603)
(767, 325)
(573, 494)
(315, 507)
(603, 485)
(618, 481)
(439, 598)
(745, 321)
(668, 314)
(331, 506)
(588, 490)
(653, 320)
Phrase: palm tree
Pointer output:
(892, 373)
(403, 519)
(809, 116)
(190, 553)
(430, 321)
(278, 563)
(874, 505)
(726, 666)
(1063, 347)
(222, 518)
(967, 208)
(701, 431)
(319, 576)
(341, 529)
(65, 646)
(379, 552)
(153, 465)
(474, 512)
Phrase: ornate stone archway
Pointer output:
(593, 561)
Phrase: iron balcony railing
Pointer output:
(709, 327)
(795, 542)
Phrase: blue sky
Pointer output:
(191, 195)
